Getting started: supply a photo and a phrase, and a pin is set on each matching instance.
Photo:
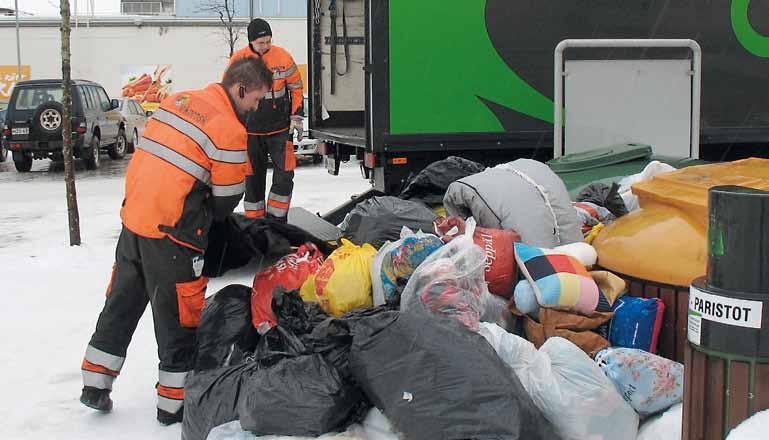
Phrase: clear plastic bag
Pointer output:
(567, 386)
(451, 281)
(396, 262)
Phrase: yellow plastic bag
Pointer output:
(307, 292)
(343, 283)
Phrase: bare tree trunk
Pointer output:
(225, 9)
(232, 33)
(69, 165)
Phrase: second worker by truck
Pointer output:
(270, 127)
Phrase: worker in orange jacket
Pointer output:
(188, 169)
(271, 126)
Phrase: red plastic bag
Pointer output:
(290, 272)
(500, 272)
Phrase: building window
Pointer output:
(147, 7)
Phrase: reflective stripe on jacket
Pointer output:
(188, 168)
(286, 95)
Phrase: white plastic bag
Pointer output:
(451, 281)
(753, 428)
(567, 386)
(654, 168)
(665, 426)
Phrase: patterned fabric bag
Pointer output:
(649, 383)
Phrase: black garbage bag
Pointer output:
(604, 195)
(233, 242)
(303, 396)
(293, 314)
(211, 399)
(225, 335)
(431, 183)
(333, 337)
(379, 219)
(435, 379)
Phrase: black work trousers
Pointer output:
(167, 276)
(281, 151)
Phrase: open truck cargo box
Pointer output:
(417, 81)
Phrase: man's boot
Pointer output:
(166, 418)
(96, 398)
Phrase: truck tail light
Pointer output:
(7, 132)
(81, 129)
(369, 160)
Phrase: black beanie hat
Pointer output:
(258, 28)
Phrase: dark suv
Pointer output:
(33, 123)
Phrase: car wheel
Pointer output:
(92, 155)
(3, 152)
(119, 148)
(317, 158)
(134, 140)
(22, 161)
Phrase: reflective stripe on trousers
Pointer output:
(100, 368)
(254, 209)
(170, 390)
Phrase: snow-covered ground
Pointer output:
(52, 294)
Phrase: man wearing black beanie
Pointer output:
(270, 127)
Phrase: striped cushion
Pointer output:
(558, 280)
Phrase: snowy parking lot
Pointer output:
(53, 294)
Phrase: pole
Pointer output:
(18, 41)
(250, 11)
(69, 162)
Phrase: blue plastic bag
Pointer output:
(637, 323)
(649, 383)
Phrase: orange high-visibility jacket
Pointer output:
(286, 96)
(188, 168)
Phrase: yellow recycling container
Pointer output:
(665, 241)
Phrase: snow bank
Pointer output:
(754, 428)
(52, 294)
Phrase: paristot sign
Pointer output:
(729, 311)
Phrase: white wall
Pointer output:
(198, 55)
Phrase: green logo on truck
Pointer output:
(751, 40)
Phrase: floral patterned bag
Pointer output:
(649, 383)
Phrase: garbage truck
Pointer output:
(403, 83)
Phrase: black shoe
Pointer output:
(96, 398)
(166, 418)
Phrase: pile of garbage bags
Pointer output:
(468, 307)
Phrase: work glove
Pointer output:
(296, 127)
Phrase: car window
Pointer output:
(91, 102)
(137, 108)
(103, 99)
(29, 98)
(81, 94)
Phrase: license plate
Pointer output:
(20, 131)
